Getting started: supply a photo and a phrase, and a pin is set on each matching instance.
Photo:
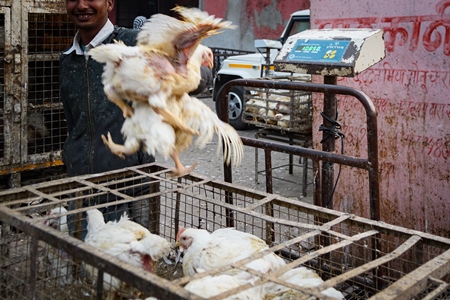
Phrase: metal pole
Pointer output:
(328, 144)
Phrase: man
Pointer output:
(88, 111)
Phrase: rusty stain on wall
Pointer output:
(410, 89)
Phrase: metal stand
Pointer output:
(303, 140)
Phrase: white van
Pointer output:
(252, 66)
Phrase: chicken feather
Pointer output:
(170, 34)
(201, 118)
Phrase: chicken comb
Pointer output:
(180, 232)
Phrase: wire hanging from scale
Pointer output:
(333, 131)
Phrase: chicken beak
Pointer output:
(177, 244)
(211, 64)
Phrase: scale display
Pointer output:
(318, 50)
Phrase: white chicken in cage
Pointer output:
(302, 277)
(270, 108)
(211, 286)
(125, 240)
(283, 120)
(206, 251)
(59, 263)
(280, 103)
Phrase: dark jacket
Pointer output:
(90, 114)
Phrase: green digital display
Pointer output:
(318, 50)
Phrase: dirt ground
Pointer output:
(284, 184)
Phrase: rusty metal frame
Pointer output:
(144, 281)
(370, 164)
(18, 158)
(14, 213)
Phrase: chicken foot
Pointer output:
(127, 110)
(120, 150)
(179, 169)
(173, 121)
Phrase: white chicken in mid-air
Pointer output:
(157, 137)
(126, 240)
(206, 251)
(162, 62)
(302, 277)
(156, 76)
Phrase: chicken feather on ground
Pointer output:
(149, 130)
(161, 65)
(206, 251)
(125, 240)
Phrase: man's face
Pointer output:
(89, 14)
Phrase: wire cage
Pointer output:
(33, 127)
(48, 36)
(361, 258)
(281, 110)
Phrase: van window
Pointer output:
(299, 26)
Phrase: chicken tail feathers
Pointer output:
(231, 143)
(207, 123)
(199, 117)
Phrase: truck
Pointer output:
(255, 65)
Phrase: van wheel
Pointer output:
(235, 107)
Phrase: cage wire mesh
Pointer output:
(48, 36)
(361, 258)
(283, 110)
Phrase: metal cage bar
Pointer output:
(370, 164)
(412, 262)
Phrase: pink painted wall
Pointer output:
(255, 19)
(268, 18)
(411, 90)
(217, 8)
